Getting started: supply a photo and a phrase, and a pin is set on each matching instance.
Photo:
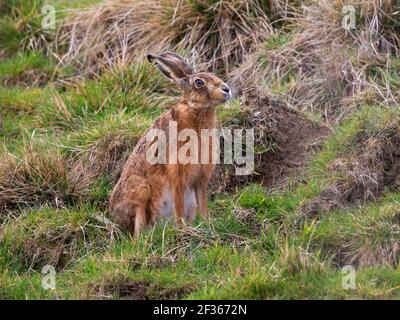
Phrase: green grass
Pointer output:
(369, 235)
(196, 263)
(17, 66)
(21, 23)
(60, 238)
(21, 27)
(256, 246)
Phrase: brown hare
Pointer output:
(146, 191)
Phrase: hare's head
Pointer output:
(201, 90)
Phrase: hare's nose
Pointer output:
(226, 89)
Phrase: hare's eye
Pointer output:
(198, 83)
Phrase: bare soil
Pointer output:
(284, 141)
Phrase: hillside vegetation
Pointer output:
(323, 101)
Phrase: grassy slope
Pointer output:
(257, 245)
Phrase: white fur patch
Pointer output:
(167, 206)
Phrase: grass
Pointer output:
(13, 70)
(129, 91)
(178, 25)
(212, 270)
(368, 235)
(21, 27)
(65, 137)
(59, 238)
(21, 24)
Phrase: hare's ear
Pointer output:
(172, 66)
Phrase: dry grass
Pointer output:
(108, 154)
(57, 237)
(213, 33)
(364, 236)
(21, 28)
(321, 65)
(40, 176)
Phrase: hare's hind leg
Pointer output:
(201, 198)
(130, 216)
(128, 204)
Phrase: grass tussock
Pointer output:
(130, 89)
(21, 27)
(320, 65)
(105, 147)
(213, 33)
(54, 237)
(368, 236)
(40, 175)
(367, 167)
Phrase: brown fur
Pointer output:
(137, 197)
